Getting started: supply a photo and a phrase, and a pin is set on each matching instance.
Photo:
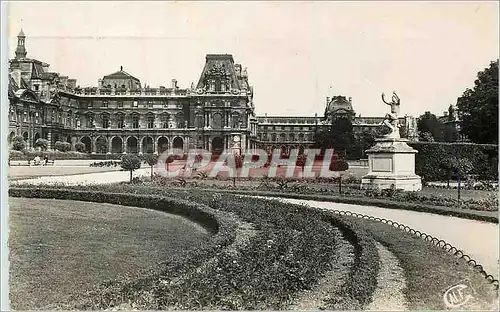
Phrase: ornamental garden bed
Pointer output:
(291, 249)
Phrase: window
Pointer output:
(120, 119)
(273, 137)
(199, 121)
(135, 104)
(150, 104)
(36, 87)
(218, 85)
(105, 120)
(235, 118)
(89, 104)
(135, 121)
(151, 121)
(90, 121)
(120, 104)
(217, 121)
(164, 120)
(104, 104)
(291, 136)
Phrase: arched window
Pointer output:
(282, 137)
(273, 137)
(291, 136)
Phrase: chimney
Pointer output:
(174, 84)
(327, 100)
(121, 68)
(350, 100)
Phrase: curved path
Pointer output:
(478, 239)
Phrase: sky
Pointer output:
(297, 53)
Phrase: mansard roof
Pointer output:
(121, 74)
(219, 65)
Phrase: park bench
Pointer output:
(49, 161)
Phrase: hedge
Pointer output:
(30, 154)
(484, 158)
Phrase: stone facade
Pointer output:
(121, 116)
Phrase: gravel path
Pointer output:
(90, 178)
(391, 283)
(478, 239)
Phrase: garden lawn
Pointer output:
(59, 249)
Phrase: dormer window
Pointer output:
(120, 104)
(150, 104)
(135, 104)
(104, 104)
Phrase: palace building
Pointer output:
(121, 116)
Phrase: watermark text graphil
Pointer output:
(306, 163)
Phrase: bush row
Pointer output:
(349, 191)
(30, 154)
(430, 155)
(109, 163)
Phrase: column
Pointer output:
(155, 152)
(93, 145)
(110, 146)
(124, 146)
(140, 145)
(49, 139)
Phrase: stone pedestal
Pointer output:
(391, 162)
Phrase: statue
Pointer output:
(391, 119)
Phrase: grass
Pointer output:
(429, 270)
(59, 249)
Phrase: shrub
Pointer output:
(62, 146)
(16, 155)
(79, 147)
(131, 163)
(18, 143)
(43, 144)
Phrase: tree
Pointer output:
(151, 160)
(338, 164)
(478, 108)
(339, 135)
(131, 163)
(79, 147)
(18, 143)
(62, 146)
(429, 123)
(450, 130)
(43, 144)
